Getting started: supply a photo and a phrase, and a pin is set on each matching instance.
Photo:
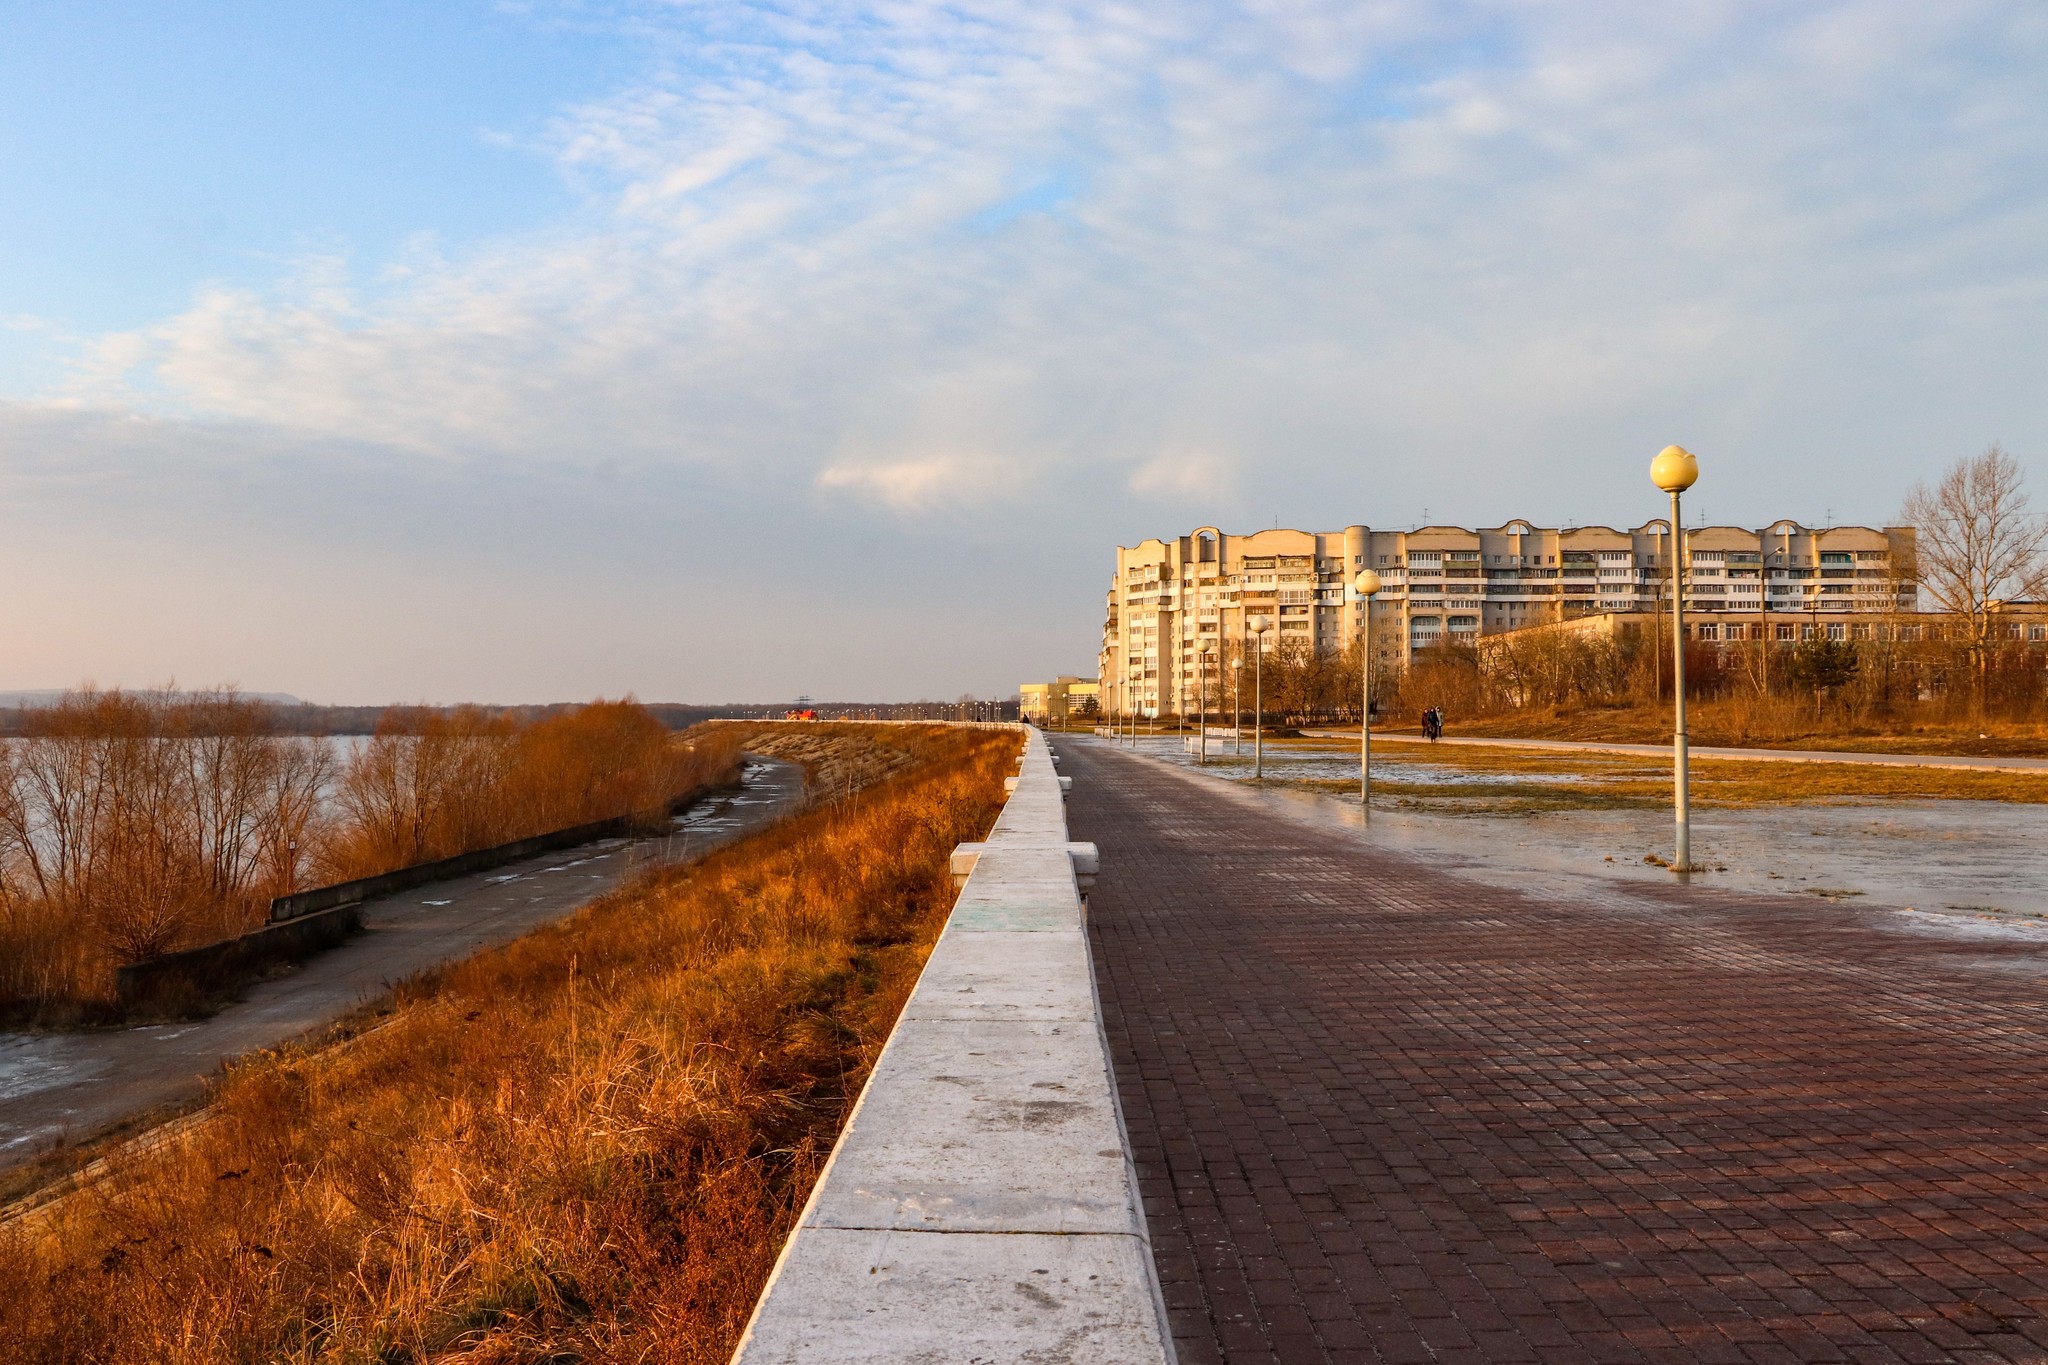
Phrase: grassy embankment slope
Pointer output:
(586, 1145)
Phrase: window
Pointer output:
(1785, 632)
(1708, 630)
(1860, 632)
(1837, 631)
(2037, 633)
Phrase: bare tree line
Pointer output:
(136, 823)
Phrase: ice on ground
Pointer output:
(1966, 862)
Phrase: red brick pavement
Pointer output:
(1383, 1114)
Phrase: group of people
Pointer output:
(1433, 723)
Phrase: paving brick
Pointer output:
(1380, 1112)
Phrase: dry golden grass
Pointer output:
(588, 1145)
(1745, 723)
(1619, 780)
(838, 759)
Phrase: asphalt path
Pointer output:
(58, 1088)
(1992, 765)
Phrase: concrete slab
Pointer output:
(927, 1298)
(1019, 914)
(993, 974)
(978, 1126)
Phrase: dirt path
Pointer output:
(58, 1088)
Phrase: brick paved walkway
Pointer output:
(1381, 1114)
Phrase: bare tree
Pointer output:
(1978, 545)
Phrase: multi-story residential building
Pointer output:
(1450, 584)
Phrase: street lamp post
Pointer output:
(1237, 702)
(1675, 470)
(1258, 630)
(1368, 585)
(1203, 651)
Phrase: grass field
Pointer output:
(1521, 781)
(1721, 724)
(588, 1145)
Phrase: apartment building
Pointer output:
(1455, 584)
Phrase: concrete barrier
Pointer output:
(228, 962)
(981, 1204)
(323, 898)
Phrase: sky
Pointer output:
(450, 350)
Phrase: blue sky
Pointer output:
(382, 351)
(150, 148)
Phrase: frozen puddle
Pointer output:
(23, 1070)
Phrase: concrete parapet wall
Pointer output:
(213, 966)
(982, 1204)
(362, 889)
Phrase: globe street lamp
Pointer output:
(1368, 585)
(1203, 651)
(1675, 470)
(1258, 626)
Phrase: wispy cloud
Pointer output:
(1083, 262)
(1371, 219)
(1185, 476)
(915, 485)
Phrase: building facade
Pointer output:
(1451, 584)
(1056, 702)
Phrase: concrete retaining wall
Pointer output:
(215, 966)
(981, 1204)
(447, 869)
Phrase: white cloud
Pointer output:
(1184, 476)
(919, 484)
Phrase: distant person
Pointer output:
(1433, 724)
